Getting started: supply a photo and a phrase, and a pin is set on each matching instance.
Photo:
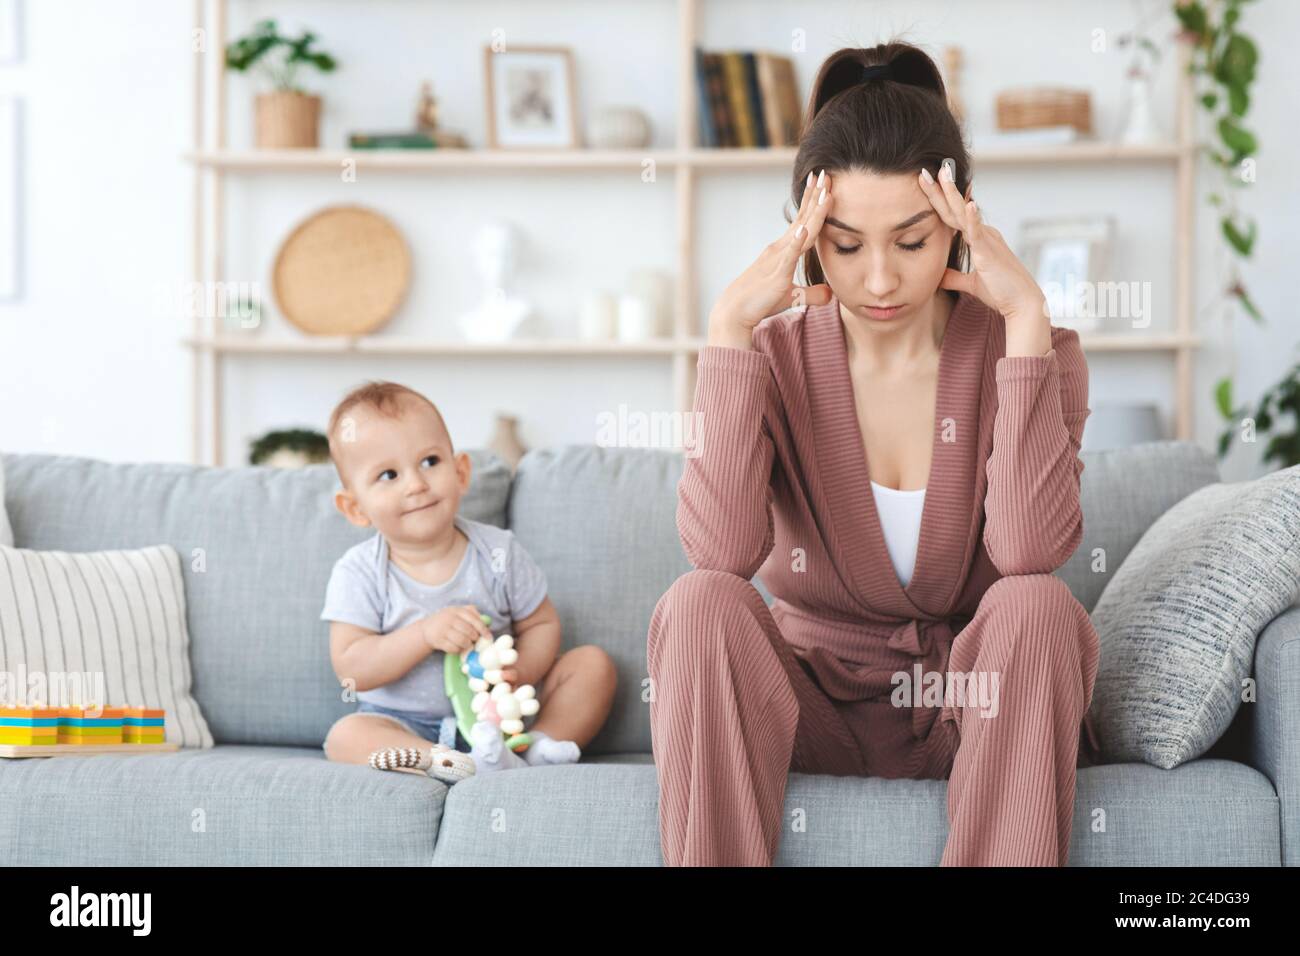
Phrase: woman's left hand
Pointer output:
(997, 277)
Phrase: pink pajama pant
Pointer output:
(734, 709)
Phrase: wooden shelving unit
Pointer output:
(213, 162)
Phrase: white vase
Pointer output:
(1140, 126)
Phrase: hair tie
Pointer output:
(879, 69)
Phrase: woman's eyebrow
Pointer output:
(923, 214)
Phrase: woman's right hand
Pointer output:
(454, 629)
(767, 286)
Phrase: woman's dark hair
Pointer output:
(892, 123)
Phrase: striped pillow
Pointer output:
(100, 627)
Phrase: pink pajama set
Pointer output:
(778, 485)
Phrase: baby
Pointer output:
(414, 591)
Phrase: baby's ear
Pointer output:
(348, 507)
(464, 469)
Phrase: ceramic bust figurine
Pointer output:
(500, 314)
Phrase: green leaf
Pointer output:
(1236, 66)
(1236, 239)
(1223, 397)
(1249, 306)
(1223, 441)
(1238, 100)
(1239, 140)
(1192, 17)
(1209, 100)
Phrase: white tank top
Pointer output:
(900, 520)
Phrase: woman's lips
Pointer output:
(882, 313)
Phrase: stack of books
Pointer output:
(746, 99)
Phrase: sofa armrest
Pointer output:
(1273, 740)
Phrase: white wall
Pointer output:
(89, 366)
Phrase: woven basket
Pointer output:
(286, 119)
(343, 271)
(1045, 106)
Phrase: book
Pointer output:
(746, 99)
(391, 141)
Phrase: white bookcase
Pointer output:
(692, 167)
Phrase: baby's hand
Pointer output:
(454, 629)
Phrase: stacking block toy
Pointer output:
(143, 725)
(78, 726)
(29, 725)
(51, 731)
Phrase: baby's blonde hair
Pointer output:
(387, 398)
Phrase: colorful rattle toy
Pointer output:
(477, 692)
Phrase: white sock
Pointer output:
(489, 749)
(545, 749)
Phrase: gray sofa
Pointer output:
(600, 522)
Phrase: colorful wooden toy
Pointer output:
(53, 731)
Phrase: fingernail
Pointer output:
(821, 178)
(810, 179)
(821, 198)
(948, 170)
(925, 174)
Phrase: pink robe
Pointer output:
(779, 485)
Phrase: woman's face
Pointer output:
(882, 244)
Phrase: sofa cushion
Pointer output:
(1179, 620)
(601, 523)
(1122, 491)
(227, 806)
(257, 545)
(6, 532)
(1205, 813)
(99, 628)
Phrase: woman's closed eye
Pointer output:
(907, 246)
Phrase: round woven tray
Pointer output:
(342, 271)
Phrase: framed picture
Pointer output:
(1068, 258)
(531, 100)
(11, 21)
(11, 155)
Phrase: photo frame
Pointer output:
(531, 98)
(1066, 256)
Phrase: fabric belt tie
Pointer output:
(930, 642)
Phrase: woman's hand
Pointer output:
(767, 286)
(997, 277)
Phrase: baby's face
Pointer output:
(404, 480)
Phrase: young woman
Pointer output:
(897, 454)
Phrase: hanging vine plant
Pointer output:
(1222, 62)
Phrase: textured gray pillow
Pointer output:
(1179, 619)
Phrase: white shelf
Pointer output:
(478, 160)
(395, 346)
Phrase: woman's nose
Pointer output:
(881, 277)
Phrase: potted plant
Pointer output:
(288, 116)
